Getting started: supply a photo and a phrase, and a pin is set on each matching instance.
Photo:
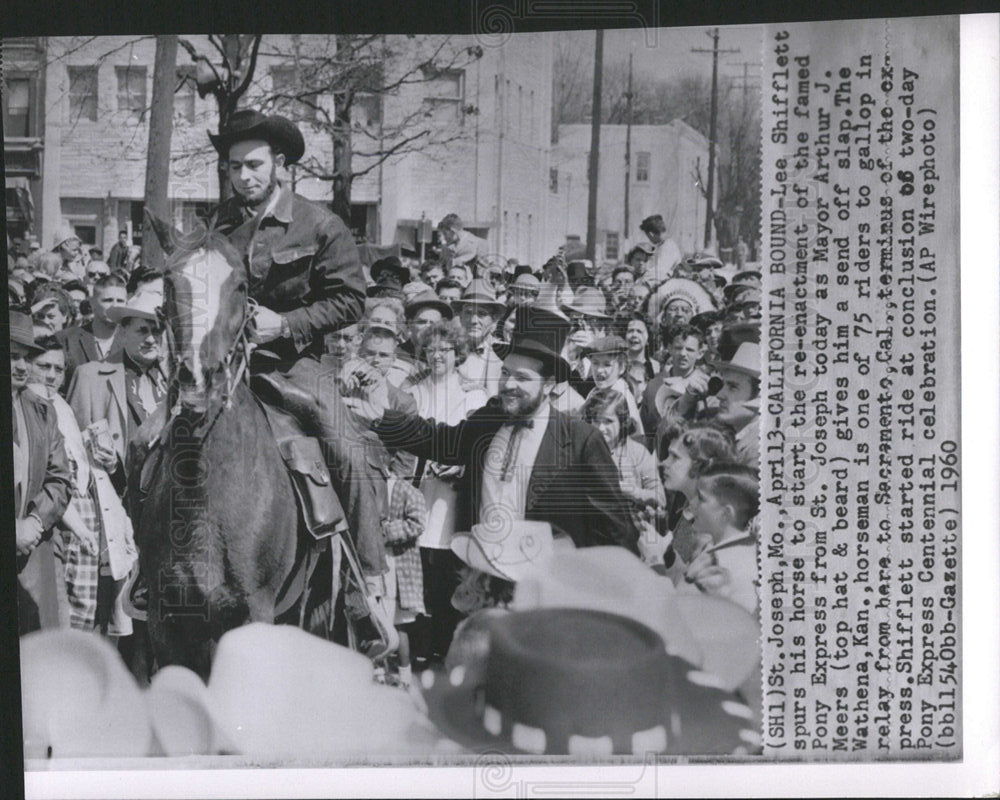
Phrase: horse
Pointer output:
(217, 529)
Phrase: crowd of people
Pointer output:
(616, 403)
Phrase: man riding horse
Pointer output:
(305, 276)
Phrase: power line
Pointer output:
(710, 189)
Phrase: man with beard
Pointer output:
(306, 277)
(42, 482)
(525, 459)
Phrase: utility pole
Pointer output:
(710, 186)
(161, 124)
(628, 144)
(595, 144)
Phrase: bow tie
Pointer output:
(521, 423)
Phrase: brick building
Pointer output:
(485, 154)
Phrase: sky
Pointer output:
(667, 51)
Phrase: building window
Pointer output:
(131, 89)
(17, 107)
(87, 234)
(554, 180)
(642, 167)
(611, 246)
(445, 94)
(184, 95)
(289, 99)
(83, 93)
(366, 111)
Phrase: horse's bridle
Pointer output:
(238, 354)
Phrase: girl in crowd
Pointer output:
(607, 410)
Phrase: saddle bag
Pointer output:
(321, 509)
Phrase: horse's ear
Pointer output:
(167, 235)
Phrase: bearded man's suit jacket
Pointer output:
(574, 483)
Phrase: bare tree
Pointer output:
(226, 75)
(360, 72)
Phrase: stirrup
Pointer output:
(135, 596)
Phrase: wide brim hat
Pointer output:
(526, 281)
(427, 298)
(614, 580)
(584, 683)
(393, 265)
(78, 699)
(63, 234)
(746, 360)
(606, 344)
(590, 302)
(22, 331)
(143, 305)
(282, 134)
(480, 293)
(513, 553)
(265, 676)
(538, 333)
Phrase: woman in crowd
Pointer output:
(52, 308)
(94, 542)
(442, 396)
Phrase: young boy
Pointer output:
(727, 501)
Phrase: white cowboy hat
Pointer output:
(513, 551)
(282, 694)
(746, 359)
(78, 699)
(143, 305)
(63, 234)
(720, 639)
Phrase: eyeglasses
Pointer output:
(96, 275)
(442, 349)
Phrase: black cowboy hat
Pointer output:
(282, 134)
(569, 681)
(540, 334)
(393, 265)
(22, 332)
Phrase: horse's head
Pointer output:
(205, 303)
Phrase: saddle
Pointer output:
(321, 515)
